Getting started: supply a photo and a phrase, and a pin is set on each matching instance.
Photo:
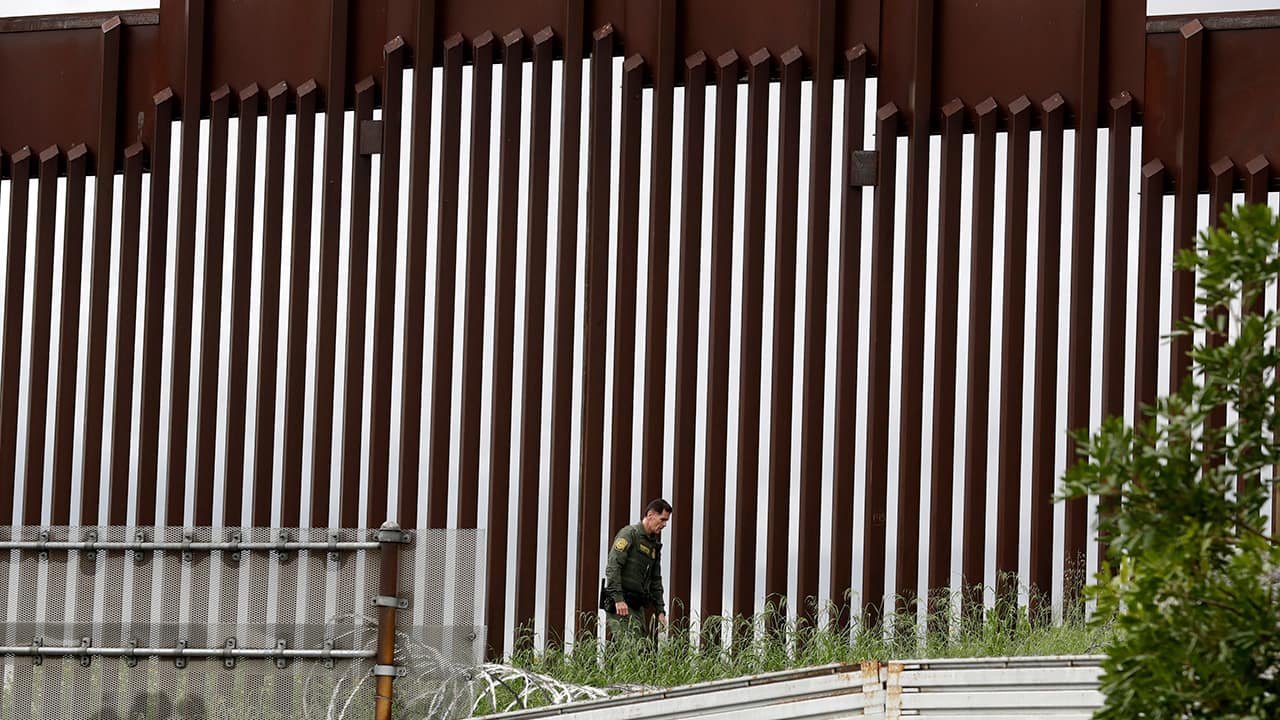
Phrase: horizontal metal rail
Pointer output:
(36, 650)
(841, 685)
(1048, 686)
(193, 546)
(233, 543)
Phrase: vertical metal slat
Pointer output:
(847, 330)
(1044, 438)
(411, 474)
(64, 393)
(596, 309)
(446, 266)
(660, 252)
(269, 305)
(777, 562)
(978, 383)
(474, 283)
(20, 164)
(503, 338)
(100, 270)
(1150, 240)
(295, 357)
(687, 331)
(721, 269)
(878, 343)
(757, 141)
(945, 351)
(384, 282)
(1115, 299)
(185, 258)
(1012, 360)
(528, 502)
(241, 267)
(50, 165)
(210, 325)
(126, 322)
(335, 90)
(624, 334)
(915, 260)
(813, 390)
(1186, 191)
(352, 424)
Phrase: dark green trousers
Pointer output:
(632, 626)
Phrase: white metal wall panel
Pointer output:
(1044, 688)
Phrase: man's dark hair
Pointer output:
(658, 506)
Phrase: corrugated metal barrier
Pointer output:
(1057, 688)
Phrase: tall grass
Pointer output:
(723, 647)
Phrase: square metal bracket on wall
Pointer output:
(864, 165)
(370, 140)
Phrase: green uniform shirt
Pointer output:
(634, 571)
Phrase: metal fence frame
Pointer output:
(99, 95)
(118, 624)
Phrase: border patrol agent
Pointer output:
(633, 574)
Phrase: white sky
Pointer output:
(49, 7)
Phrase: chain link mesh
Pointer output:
(305, 600)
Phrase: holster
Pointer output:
(606, 600)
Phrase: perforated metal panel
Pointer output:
(160, 600)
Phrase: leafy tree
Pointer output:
(1192, 579)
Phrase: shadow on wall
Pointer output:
(155, 706)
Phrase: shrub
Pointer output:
(1191, 582)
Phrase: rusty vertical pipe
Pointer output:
(389, 540)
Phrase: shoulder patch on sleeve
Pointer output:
(620, 544)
